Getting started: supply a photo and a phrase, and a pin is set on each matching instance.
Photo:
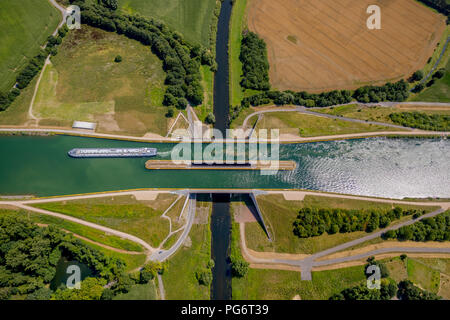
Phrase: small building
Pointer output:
(84, 125)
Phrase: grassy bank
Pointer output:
(81, 230)
(312, 126)
(279, 214)
(139, 292)
(123, 213)
(237, 25)
(179, 280)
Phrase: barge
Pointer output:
(112, 152)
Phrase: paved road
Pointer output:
(162, 292)
(308, 263)
(162, 255)
(309, 111)
(436, 64)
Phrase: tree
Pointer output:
(91, 289)
(40, 294)
(118, 59)
(110, 4)
(204, 277)
(239, 267)
(418, 75)
(170, 113)
(182, 103)
(210, 118)
(149, 271)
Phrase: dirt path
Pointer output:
(95, 242)
(88, 224)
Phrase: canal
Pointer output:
(220, 218)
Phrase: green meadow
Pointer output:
(25, 26)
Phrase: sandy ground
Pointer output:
(294, 196)
(145, 195)
(274, 267)
(243, 214)
(325, 45)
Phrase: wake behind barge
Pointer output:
(113, 152)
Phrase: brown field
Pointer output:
(325, 44)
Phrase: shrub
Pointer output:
(210, 118)
(118, 58)
(239, 267)
(204, 277)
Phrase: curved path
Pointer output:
(304, 110)
(306, 264)
(85, 223)
(47, 61)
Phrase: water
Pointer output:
(220, 219)
(381, 167)
(220, 247)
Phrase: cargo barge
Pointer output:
(113, 152)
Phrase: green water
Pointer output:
(382, 167)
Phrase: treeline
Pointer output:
(369, 94)
(32, 68)
(435, 122)
(29, 255)
(440, 5)
(255, 65)
(408, 291)
(428, 229)
(181, 60)
(388, 290)
(311, 222)
(405, 290)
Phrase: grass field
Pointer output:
(84, 231)
(279, 214)
(123, 213)
(304, 125)
(139, 292)
(26, 25)
(192, 18)
(17, 112)
(179, 280)
(84, 83)
(237, 25)
(380, 114)
(423, 275)
(334, 47)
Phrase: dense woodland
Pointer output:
(255, 64)
(311, 222)
(428, 229)
(435, 122)
(29, 256)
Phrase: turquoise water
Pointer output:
(384, 167)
